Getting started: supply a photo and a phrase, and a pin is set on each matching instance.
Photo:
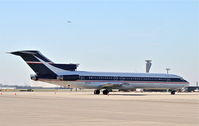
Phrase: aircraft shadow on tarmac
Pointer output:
(129, 94)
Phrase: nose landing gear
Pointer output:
(173, 92)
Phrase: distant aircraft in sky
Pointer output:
(66, 75)
(68, 21)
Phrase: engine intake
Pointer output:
(68, 77)
(34, 77)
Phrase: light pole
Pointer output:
(168, 69)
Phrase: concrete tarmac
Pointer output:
(86, 109)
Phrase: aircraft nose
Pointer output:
(186, 82)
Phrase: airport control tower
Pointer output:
(148, 65)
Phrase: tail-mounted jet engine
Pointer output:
(34, 77)
(68, 77)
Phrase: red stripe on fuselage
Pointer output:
(133, 81)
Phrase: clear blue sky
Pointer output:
(112, 35)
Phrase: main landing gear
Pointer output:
(96, 92)
(105, 92)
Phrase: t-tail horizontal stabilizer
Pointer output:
(41, 65)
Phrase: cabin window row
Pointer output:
(123, 78)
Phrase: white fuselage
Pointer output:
(127, 81)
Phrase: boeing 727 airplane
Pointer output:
(66, 75)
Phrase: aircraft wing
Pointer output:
(111, 85)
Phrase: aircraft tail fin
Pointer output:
(33, 58)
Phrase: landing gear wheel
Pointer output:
(173, 92)
(105, 92)
(96, 92)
